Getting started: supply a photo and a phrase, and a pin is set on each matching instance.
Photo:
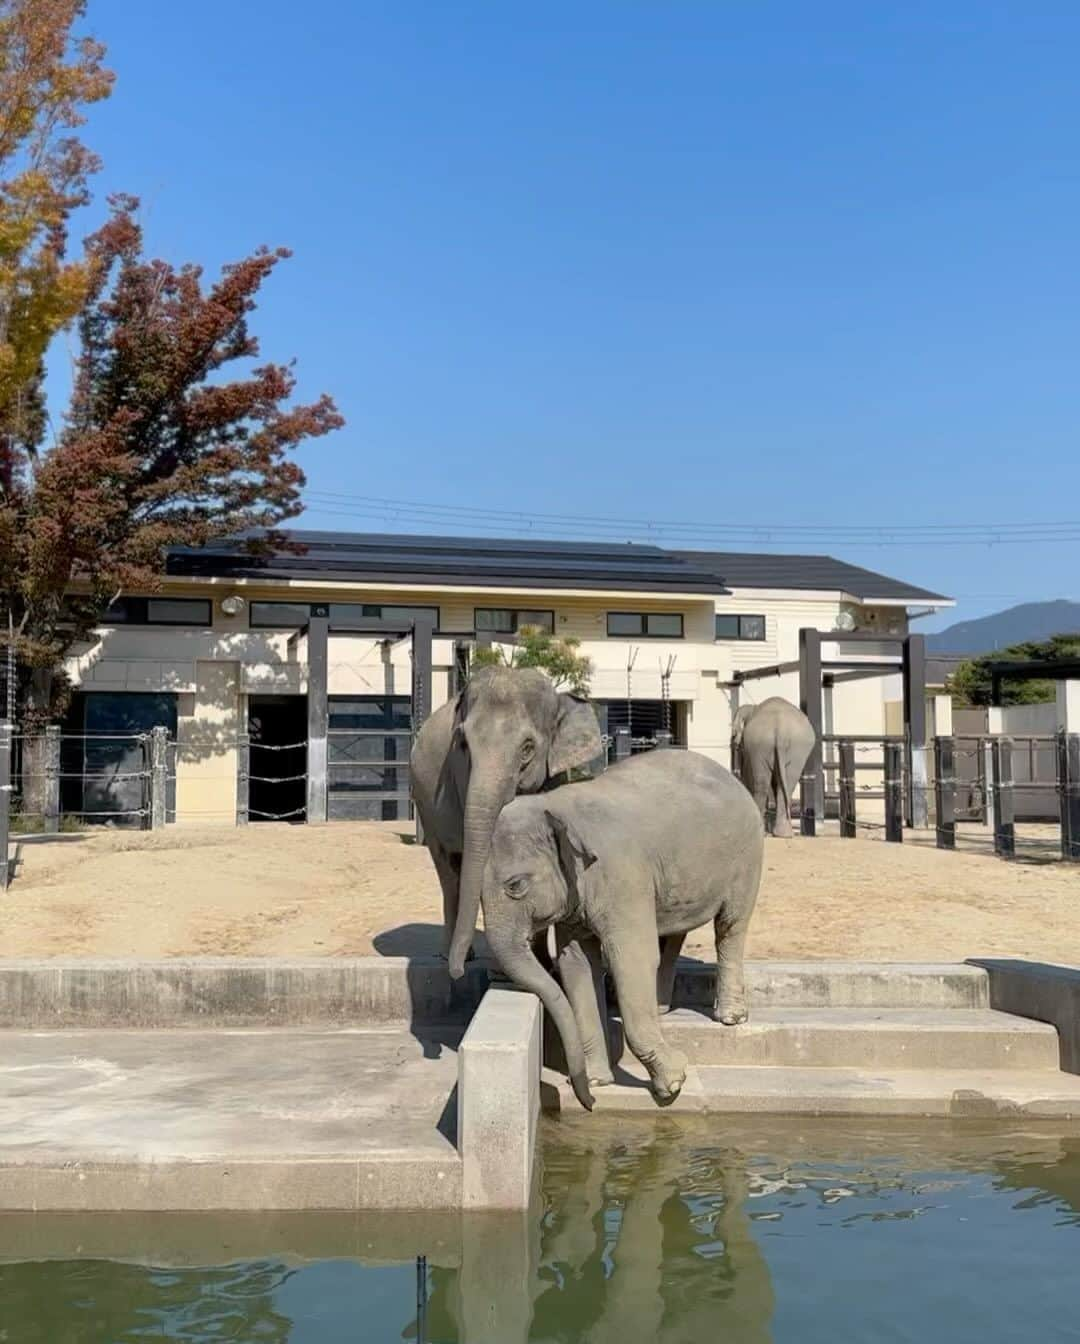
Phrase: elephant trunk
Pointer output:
(483, 804)
(519, 962)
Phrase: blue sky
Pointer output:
(711, 260)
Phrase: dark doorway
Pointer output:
(277, 728)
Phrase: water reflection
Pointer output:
(659, 1231)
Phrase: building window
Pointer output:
(740, 627)
(509, 620)
(278, 615)
(159, 611)
(292, 615)
(646, 624)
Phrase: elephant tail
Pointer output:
(783, 761)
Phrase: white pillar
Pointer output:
(1068, 707)
(940, 718)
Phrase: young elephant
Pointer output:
(657, 846)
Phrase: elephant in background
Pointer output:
(508, 732)
(625, 866)
(775, 741)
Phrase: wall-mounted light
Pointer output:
(232, 605)
(845, 621)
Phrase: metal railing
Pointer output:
(939, 786)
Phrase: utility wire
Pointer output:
(333, 504)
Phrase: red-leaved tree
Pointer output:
(161, 447)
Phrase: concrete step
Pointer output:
(866, 1038)
(1042, 1094)
(842, 984)
(253, 1119)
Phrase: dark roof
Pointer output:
(750, 569)
(340, 556)
(480, 561)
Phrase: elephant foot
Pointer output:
(667, 1076)
(731, 1013)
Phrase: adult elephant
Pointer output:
(775, 741)
(508, 732)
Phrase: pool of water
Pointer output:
(644, 1231)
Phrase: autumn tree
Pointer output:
(161, 447)
(47, 76)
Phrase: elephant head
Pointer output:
(534, 877)
(513, 733)
(739, 720)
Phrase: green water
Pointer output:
(643, 1232)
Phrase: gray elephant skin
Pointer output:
(775, 740)
(625, 866)
(508, 732)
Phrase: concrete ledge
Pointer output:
(234, 992)
(1046, 992)
(230, 992)
(498, 1101)
(842, 984)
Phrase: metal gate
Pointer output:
(368, 745)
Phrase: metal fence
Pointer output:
(51, 778)
(946, 790)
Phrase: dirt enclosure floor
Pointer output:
(350, 889)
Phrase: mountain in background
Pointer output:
(1029, 621)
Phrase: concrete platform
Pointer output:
(971, 1093)
(263, 1119)
(883, 1038)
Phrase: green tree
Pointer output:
(971, 683)
(559, 658)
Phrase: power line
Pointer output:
(595, 527)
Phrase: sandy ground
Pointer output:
(352, 888)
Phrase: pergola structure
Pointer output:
(1051, 669)
(816, 674)
(318, 631)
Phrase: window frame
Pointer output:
(738, 617)
(645, 632)
(138, 613)
(517, 622)
(368, 611)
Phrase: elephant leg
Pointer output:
(635, 971)
(762, 784)
(670, 947)
(782, 786)
(582, 976)
(730, 1005)
(448, 869)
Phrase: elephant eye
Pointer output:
(528, 749)
(516, 887)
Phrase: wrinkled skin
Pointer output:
(775, 740)
(625, 866)
(508, 732)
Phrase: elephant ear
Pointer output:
(576, 736)
(575, 856)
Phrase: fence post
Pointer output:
(159, 776)
(52, 779)
(1069, 793)
(243, 773)
(988, 781)
(945, 791)
(1004, 802)
(894, 792)
(622, 743)
(5, 799)
(846, 751)
(920, 788)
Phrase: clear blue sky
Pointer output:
(726, 260)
